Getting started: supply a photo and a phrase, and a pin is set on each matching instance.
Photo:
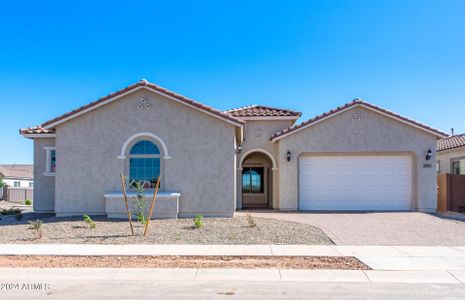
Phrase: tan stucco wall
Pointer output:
(201, 168)
(252, 142)
(44, 186)
(375, 133)
(445, 159)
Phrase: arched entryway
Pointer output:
(257, 180)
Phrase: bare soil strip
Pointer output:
(220, 262)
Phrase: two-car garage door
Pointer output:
(355, 183)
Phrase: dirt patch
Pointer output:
(204, 262)
(222, 231)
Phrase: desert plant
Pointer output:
(198, 221)
(140, 203)
(89, 221)
(251, 221)
(37, 226)
(28, 202)
(10, 211)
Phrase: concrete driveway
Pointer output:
(379, 229)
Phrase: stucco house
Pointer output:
(451, 155)
(355, 157)
(18, 176)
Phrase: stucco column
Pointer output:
(239, 188)
(275, 188)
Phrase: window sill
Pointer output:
(49, 174)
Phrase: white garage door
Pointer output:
(355, 183)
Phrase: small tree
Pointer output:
(140, 202)
(1, 182)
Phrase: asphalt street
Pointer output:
(141, 289)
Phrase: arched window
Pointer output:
(144, 164)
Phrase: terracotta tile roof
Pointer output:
(261, 111)
(351, 104)
(16, 171)
(142, 83)
(451, 142)
(36, 130)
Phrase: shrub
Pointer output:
(37, 226)
(251, 220)
(19, 216)
(198, 221)
(10, 211)
(28, 202)
(89, 221)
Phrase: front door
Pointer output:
(254, 187)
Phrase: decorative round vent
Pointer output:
(144, 104)
(358, 116)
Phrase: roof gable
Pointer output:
(48, 127)
(452, 142)
(355, 103)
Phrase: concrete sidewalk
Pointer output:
(232, 250)
(219, 275)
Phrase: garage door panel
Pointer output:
(355, 183)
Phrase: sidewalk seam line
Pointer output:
(400, 250)
(459, 281)
(368, 278)
(334, 248)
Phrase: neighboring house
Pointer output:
(19, 176)
(355, 157)
(451, 155)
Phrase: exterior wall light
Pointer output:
(429, 154)
(239, 148)
(288, 155)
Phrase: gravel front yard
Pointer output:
(242, 262)
(214, 231)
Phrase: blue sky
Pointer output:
(406, 56)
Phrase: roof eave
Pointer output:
(38, 135)
(270, 118)
(452, 149)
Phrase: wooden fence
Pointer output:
(18, 195)
(451, 193)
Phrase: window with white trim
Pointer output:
(50, 164)
(16, 184)
(144, 164)
(458, 166)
